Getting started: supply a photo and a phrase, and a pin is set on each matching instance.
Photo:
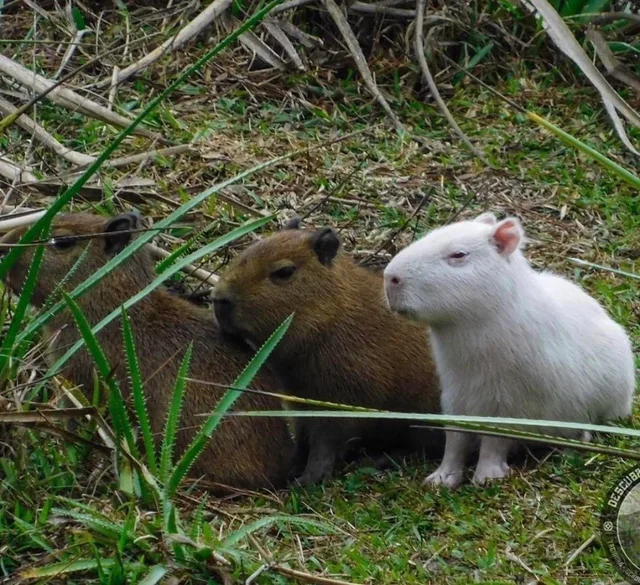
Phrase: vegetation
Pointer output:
(67, 513)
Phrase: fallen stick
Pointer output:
(614, 68)
(302, 37)
(143, 156)
(291, 4)
(206, 17)
(63, 96)
(26, 123)
(307, 577)
(361, 63)
(253, 43)
(199, 273)
(273, 28)
(366, 8)
(13, 172)
(30, 216)
(419, 48)
(6, 122)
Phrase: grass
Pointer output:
(58, 502)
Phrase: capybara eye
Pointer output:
(283, 273)
(62, 243)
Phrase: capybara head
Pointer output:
(292, 271)
(71, 258)
(466, 268)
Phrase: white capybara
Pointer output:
(508, 341)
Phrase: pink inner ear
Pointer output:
(507, 236)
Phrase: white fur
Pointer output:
(508, 341)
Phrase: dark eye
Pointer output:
(458, 255)
(62, 243)
(283, 273)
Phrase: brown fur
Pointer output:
(243, 452)
(344, 344)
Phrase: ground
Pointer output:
(376, 527)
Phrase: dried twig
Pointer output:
(419, 48)
(366, 8)
(190, 270)
(361, 63)
(6, 122)
(13, 172)
(65, 97)
(611, 64)
(607, 17)
(307, 577)
(291, 4)
(576, 553)
(25, 122)
(302, 37)
(144, 156)
(191, 30)
(71, 49)
(273, 28)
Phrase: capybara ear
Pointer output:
(118, 231)
(293, 223)
(508, 236)
(487, 218)
(325, 243)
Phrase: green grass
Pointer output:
(59, 503)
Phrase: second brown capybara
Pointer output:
(344, 344)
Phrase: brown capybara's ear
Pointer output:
(118, 231)
(325, 243)
(293, 223)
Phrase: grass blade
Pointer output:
(119, 415)
(441, 419)
(154, 575)
(137, 391)
(65, 567)
(242, 381)
(237, 535)
(173, 416)
(8, 345)
(586, 149)
(605, 268)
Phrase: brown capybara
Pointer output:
(344, 344)
(243, 452)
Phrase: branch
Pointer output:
(614, 68)
(13, 172)
(366, 8)
(361, 63)
(273, 28)
(25, 122)
(143, 156)
(63, 96)
(419, 48)
(191, 30)
(307, 577)
(608, 17)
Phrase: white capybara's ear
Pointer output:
(487, 218)
(508, 236)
